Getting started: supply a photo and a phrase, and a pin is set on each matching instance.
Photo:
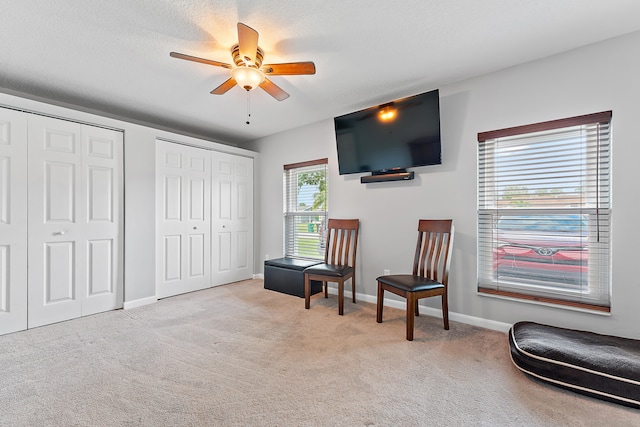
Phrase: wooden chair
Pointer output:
(430, 272)
(339, 261)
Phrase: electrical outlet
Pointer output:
(266, 257)
(386, 272)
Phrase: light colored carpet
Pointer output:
(242, 355)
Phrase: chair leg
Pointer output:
(325, 285)
(445, 311)
(380, 303)
(417, 308)
(411, 307)
(353, 287)
(307, 291)
(340, 297)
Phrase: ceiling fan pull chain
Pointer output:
(248, 108)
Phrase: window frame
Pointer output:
(293, 217)
(598, 216)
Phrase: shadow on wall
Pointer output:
(453, 112)
(463, 275)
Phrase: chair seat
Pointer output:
(329, 270)
(410, 283)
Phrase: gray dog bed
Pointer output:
(602, 366)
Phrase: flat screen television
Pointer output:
(390, 137)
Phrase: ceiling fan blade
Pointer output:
(289, 68)
(200, 60)
(224, 87)
(274, 90)
(248, 43)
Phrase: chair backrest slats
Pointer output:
(331, 236)
(342, 241)
(433, 249)
(345, 259)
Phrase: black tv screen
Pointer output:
(397, 135)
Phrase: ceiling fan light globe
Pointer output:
(247, 77)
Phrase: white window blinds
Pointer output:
(544, 211)
(305, 209)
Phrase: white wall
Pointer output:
(595, 78)
(139, 183)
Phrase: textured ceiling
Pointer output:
(112, 56)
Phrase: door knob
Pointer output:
(58, 233)
(195, 228)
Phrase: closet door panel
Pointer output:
(13, 221)
(60, 192)
(56, 223)
(59, 266)
(102, 198)
(183, 218)
(232, 219)
(172, 255)
(101, 265)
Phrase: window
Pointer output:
(305, 209)
(544, 212)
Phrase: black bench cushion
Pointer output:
(602, 366)
(291, 263)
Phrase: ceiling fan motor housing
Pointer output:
(246, 62)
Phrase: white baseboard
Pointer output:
(429, 311)
(258, 276)
(139, 302)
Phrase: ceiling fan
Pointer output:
(249, 72)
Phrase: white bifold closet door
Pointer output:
(13, 221)
(232, 218)
(204, 218)
(183, 211)
(74, 220)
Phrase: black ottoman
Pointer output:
(286, 275)
(602, 366)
